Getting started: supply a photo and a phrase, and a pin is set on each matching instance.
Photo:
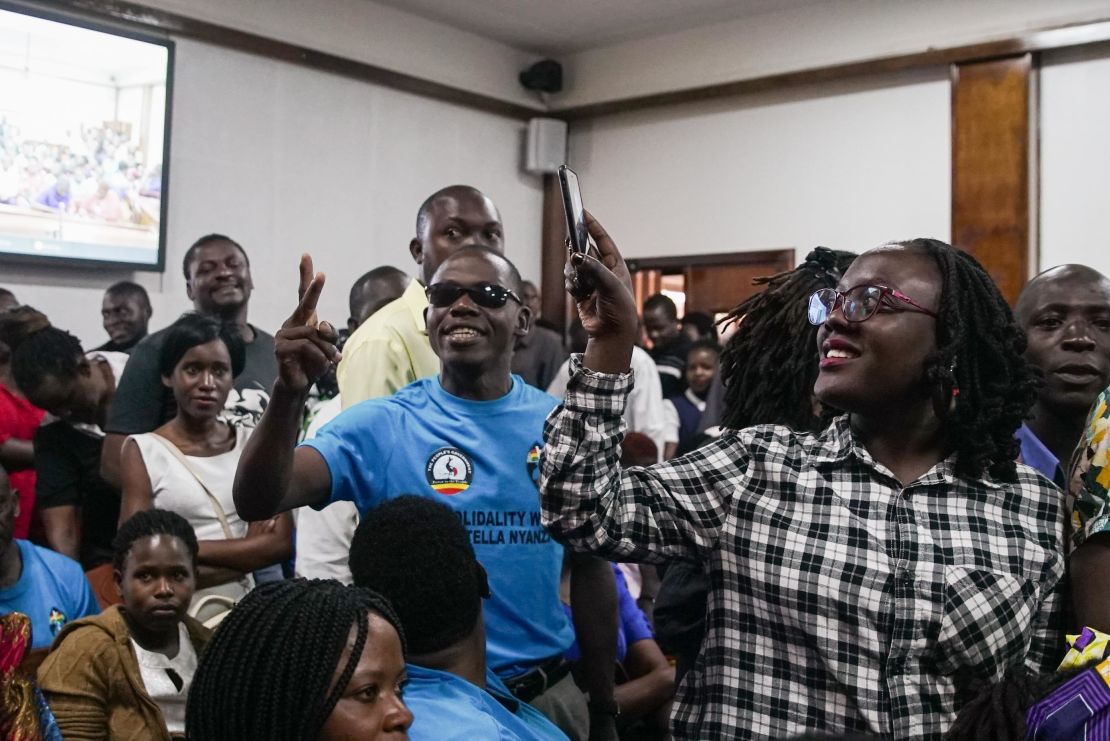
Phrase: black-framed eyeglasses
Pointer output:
(489, 295)
(859, 303)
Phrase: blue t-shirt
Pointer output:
(52, 590)
(631, 627)
(446, 707)
(482, 459)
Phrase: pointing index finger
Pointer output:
(306, 274)
(308, 291)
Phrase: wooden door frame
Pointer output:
(717, 258)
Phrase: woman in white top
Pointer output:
(188, 464)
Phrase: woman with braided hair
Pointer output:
(769, 365)
(302, 661)
(768, 368)
(863, 578)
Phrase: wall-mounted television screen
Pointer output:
(84, 143)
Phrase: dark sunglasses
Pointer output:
(489, 295)
(857, 304)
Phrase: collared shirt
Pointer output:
(840, 600)
(1090, 475)
(446, 707)
(389, 351)
(1035, 454)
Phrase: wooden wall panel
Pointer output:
(719, 288)
(554, 302)
(991, 144)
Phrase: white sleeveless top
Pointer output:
(176, 489)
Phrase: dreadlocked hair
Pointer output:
(998, 711)
(769, 365)
(268, 671)
(979, 352)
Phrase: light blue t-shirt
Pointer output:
(52, 590)
(482, 459)
(446, 707)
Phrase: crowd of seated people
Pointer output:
(96, 173)
(880, 510)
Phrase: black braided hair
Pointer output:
(998, 711)
(769, 365)
(267, 674)
(152, 522)
(979, 351)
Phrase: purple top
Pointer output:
(631, 627)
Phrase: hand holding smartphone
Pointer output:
(579, 235)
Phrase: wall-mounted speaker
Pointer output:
(546, 146)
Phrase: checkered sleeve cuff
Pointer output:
(590, 392)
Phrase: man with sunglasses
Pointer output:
(469, 438)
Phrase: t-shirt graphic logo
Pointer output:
(533, 462)
(449, 471)
(57, 620)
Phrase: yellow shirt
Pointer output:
(390, 350)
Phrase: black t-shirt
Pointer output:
(111, 346)
(142, 403)
(67, 462)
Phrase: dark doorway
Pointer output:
(712, 284)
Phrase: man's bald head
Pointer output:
(451, 193)
(1072, 277)
(374, 290)
(1065, 314)
(451, 218)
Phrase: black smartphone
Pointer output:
(572, 205)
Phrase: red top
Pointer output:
(19, 419)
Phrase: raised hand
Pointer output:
(304, 346)
(602, 288)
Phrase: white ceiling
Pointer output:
(560, 26)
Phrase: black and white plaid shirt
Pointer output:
(839, 600)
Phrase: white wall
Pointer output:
(376, 34)
(1075, 159)
(286, 160)
(798, 37)
(845, 166)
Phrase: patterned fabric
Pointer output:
(1089, 645)
(1090, 475)
(1080, 707)
(24, 714)
(839, 600)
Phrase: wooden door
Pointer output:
(714, 283)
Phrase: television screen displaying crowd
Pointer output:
(878, 510)
(97, 172)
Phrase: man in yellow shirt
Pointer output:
(391, 349)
